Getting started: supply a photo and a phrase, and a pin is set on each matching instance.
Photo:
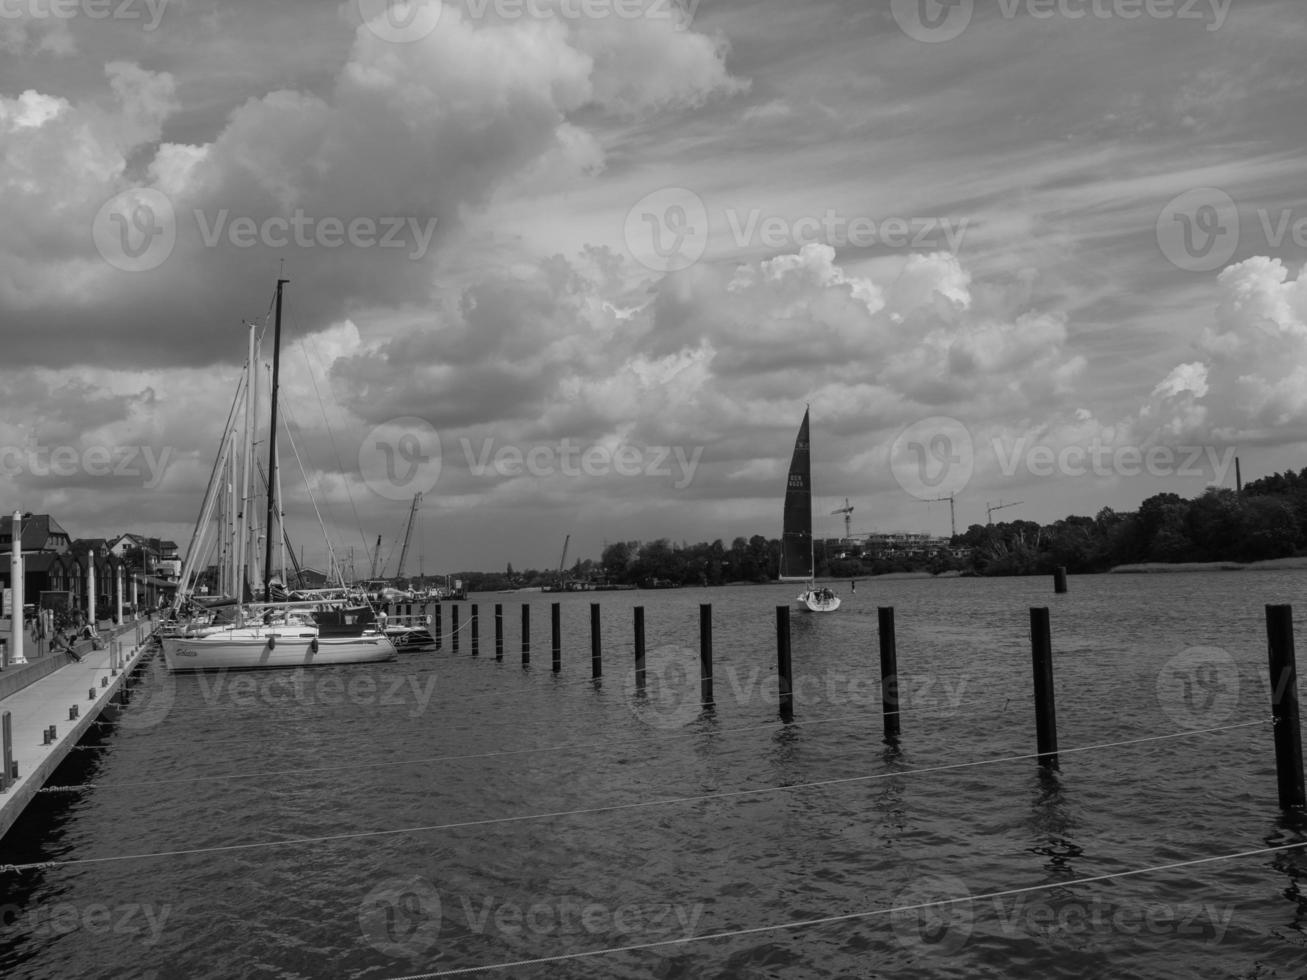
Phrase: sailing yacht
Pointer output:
(244, 632)
(797, 556)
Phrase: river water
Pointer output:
(446, 812)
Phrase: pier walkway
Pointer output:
(87, 686)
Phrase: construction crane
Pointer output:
(952, 512)
(376, 557)
(847, 511)
(990, 508)
(408, 534)
(563, 561)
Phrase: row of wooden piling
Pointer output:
(1279, 625)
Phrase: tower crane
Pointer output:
(847, 511)
(990, 508)
(952, 511)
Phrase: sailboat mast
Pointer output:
(243, 502)
(272, 442)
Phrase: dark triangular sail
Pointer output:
(796, 537)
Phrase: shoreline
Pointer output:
(1154, 567)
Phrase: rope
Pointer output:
(609, 808)
(852, 916)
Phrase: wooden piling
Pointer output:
(596, 653)
(1059, 580)
(438, 639)
(639, 648)
(1284, 706)
(6, 750)
(785, 679)
(526, 634)
(453, 627)
(556, 634)
(889, 673)
(1041, 650)
(705, 655)
(499, 631)
(476, 631)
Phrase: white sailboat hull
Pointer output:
(287, 646)
(811, 601)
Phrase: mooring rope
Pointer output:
(852, 916)
(612, 807)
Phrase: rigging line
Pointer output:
(331, 439)
(589, 811)
(852, 916)
(609, 743)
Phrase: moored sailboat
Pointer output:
(245, 633)
(797, 555)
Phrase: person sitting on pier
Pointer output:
(60, 643)
(89, 632)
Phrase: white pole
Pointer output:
(90, 587)
(16, 587)
(136, 608)
(119, 598)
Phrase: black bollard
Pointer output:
(1284, 706)
(438, 642)
(556, 634)
(499, 631)
(453, 627)
(889, 673)
(705, 655)
(1059, 580)
(785, 685)
(476, 631)
(526, 634)
(1041, 650)
(639, 648)
(596, 654)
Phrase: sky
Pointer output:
(577, 268)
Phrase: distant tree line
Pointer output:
(1268, 520)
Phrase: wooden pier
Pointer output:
(68, 697)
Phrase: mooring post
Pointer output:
(705, 655)
(1284, 706)
(556, 634)
(526, 634)
(639, 648)
(438, 639)
(6, 750)
(1041, 650)
(476, 631)
(596, 654)
(1059, 579)
(499, 631)
(785, 680)
(889, 673)
(453, 627)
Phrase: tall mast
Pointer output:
(242, 511)
(272, 442)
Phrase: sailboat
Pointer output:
(243, 632)
(797, 556)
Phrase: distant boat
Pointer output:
(797, 557)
